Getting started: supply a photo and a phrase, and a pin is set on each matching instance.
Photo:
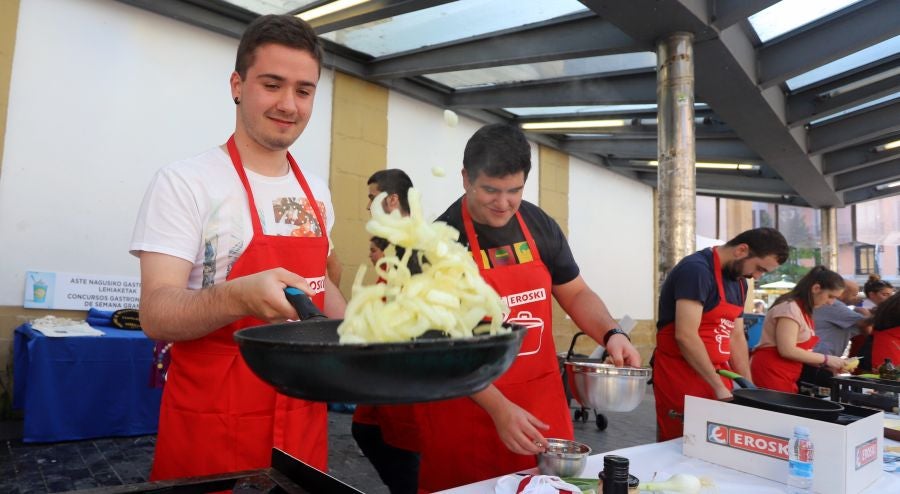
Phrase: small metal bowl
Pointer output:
(607, 387)
(563, 458)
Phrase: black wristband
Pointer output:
(613, 331)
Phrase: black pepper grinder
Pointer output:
(614, 475)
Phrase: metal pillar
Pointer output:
(829, 238)
(676, 184)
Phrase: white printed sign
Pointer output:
(50, 290)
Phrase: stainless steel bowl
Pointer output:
(563, 458)
(606, 387)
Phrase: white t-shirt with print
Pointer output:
(196, 209)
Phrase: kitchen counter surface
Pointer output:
(665, 459)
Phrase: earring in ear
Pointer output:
(237, 100)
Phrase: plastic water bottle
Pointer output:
(800, 462)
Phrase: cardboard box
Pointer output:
(847, 458)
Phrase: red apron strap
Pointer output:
(239, 167)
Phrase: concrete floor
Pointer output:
(58, 467)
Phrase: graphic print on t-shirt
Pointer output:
(295, 216)
(505, 255)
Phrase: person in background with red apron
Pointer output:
(387, 434)
(524, 255)
(700, 329)
(789, 335)
(886, 331)
(220, 236)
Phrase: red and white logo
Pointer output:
(528, 297)
(317, 285)
(866, 453)
(716, 433)
(747, 440)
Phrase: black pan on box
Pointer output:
(778, 401)
(305, 359)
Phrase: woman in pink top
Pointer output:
(788, 335)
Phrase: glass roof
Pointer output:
(271, 6)
(448, 22)
(462, 79)
(788, 15)
(857, 108)
(862, 57)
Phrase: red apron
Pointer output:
(397, 422)
(460, 444)
(674, 378)
(885, 344)
(772, 371)
(216, 415)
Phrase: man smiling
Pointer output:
(524, 255)
(220, 236)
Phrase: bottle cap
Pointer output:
(615, 468)
(801, 430)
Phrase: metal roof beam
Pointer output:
(614, 90)
(856, 128)
(216, 17)
(728, 12)
(725, 73)
(582, 37)
(373, 10)
(821, 101)
(646, 149)
(859, 156)
(733, 184)
(873, 175)
(859, 27)
(868, 193)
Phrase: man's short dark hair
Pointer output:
(497, 150)
(763, 242)
(393, 181)
(285, 30)
(379, 242)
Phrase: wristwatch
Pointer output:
(613, 331)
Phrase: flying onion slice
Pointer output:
(449, 294)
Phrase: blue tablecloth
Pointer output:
(85, 386)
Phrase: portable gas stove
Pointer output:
(877, 393)
(286, 475)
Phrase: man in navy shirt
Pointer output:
(700, 329)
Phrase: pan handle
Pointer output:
(734, 376)
(303, 304)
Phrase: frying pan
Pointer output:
(304, 359)
(777, 401)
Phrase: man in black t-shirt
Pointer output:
(700, 329)
(522, 253)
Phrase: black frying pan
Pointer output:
(304, 359)
(777, 401)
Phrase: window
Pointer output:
(865, 259)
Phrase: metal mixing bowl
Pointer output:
(606, 387)
(563, 458)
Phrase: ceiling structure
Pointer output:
(804, 96)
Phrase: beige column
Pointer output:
(358, 149)
(829, 238)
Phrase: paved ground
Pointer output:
(41, 468)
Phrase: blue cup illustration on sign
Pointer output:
(40, 292)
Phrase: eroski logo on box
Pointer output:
(747, 440)
(866, 453)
